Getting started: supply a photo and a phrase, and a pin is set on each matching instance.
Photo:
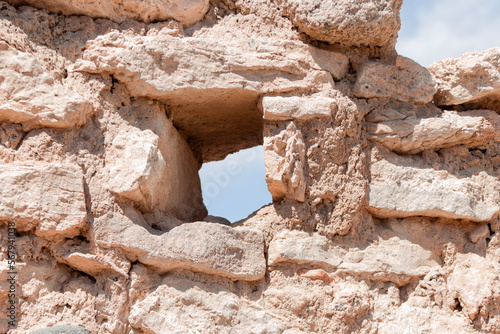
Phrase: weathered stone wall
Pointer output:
(385, 175)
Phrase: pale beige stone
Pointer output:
(413, 135)
(205, 80)
(475, 282)
(396, 260)
(301, 247)
(285, 161)
(48, 197)
(374, 22)
(401, 187)
(217, 65)
(152, 165)
(334, 62)
(277, 108)
(473, 76)
(135, 167)
(170, 307)
(411, 319)
(34, 97)
(139, 106)
(185, 11)
(235, 253)
(93, 261)
(404, 81)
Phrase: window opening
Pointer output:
(235, 187)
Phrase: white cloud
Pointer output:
(449, 28)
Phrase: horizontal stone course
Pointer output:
(394, 260)
(402, 187)
(232, 252)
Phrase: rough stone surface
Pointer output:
(285, 162)
(135, 166)
(393, 260)
(276, 108)
(48, 197)
(374, 22)
(409, 134)
(385, 176)
(229, 78)
(475, 282)
(404, 81)
(170, 307)
(236, 253)
(185, 11)
(401, 187)
(35, 98)
(472, 79)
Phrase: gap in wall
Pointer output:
(235, 187)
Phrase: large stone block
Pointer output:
(353, 23)
(217, 309)
(152, 165)
(395, 259)
(405, 81)
(32, 95)
(470, 78)
(233, 252)
(50, 197)
(402, 186)
(416, 134)
(264, 66)
(135, 166)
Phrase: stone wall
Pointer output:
(385, 175)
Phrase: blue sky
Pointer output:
(235, 187)
(431, 30)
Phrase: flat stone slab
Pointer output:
(393, 260)
(217, 249)
(218, 66)
(414, 134)
(401, 187)
(135, 167)
(35, 98)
